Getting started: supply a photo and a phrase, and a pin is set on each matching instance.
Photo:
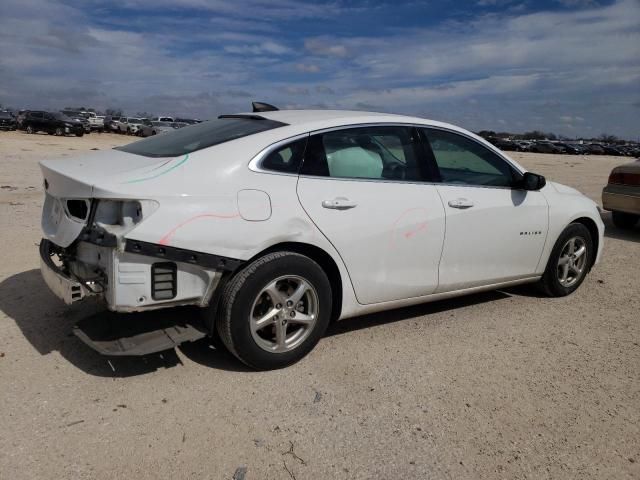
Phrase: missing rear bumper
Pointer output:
(61, 284)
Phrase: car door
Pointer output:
(495, 231)
(364, 188)
(36, 121)
(48, 122)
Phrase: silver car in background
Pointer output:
(155, 128)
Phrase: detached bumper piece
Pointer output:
(116, 335)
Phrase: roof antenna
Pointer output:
(263, 107)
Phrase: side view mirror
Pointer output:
(532, 181)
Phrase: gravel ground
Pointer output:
(499, 385)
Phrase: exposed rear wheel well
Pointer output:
(593, 230)
(323, 259)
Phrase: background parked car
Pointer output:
(596, 149)
(570, 148)
(190, 121)
(95, 123)
(622, 195)
(111, 123)
(7, 121)
(611, 150)
(163, 119)
(545, 147)
(130, 125)
(503, 144)
(80, 117)
(52, 123)
(155, 128)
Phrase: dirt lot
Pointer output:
(499, 385)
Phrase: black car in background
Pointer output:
(611, 150)
(80, 117)
(7, 121)
(596, 149)
(53, 123)
(188, 121)
(570, 148)
(545, 147)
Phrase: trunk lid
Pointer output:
(77, 177)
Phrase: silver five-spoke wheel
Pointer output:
(572, 261)
(284, 314)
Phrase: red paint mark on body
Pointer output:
(165, 239)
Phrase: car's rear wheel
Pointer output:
(624, 220)
(79, 134)
(30, 129)
(59, 132)
(274, 311)
(569, 262)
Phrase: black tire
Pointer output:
(30, 129)
(239, 295)
(624, 220)
(79, 134)
(550, 282)
(59, 132)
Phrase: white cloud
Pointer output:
(323, 46)
(307, 67)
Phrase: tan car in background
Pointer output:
(622, 195)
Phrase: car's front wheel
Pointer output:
(569, 261)
(275, 310)
(624, 220)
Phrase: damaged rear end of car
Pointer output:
(89, 246)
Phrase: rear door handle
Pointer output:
(461, 203)
(339, 203)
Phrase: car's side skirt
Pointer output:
(407, 302)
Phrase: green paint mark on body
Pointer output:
(159, 174)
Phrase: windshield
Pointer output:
(196, 137)
(161, 124)
(135, 120)
(63, 117)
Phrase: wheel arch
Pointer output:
(322, 258)
(317, 254)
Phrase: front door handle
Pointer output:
(461, 203)
(339, 203)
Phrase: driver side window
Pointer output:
(461, 160)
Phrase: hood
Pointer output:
(79, 177)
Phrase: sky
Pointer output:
(566, 66)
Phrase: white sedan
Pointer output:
(277, 223)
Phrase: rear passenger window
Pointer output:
(383, 153)
(286, 159)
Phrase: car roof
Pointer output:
(318, 119)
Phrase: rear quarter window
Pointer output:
(202, 135)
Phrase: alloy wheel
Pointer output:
(572, 262)
(284, 314)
